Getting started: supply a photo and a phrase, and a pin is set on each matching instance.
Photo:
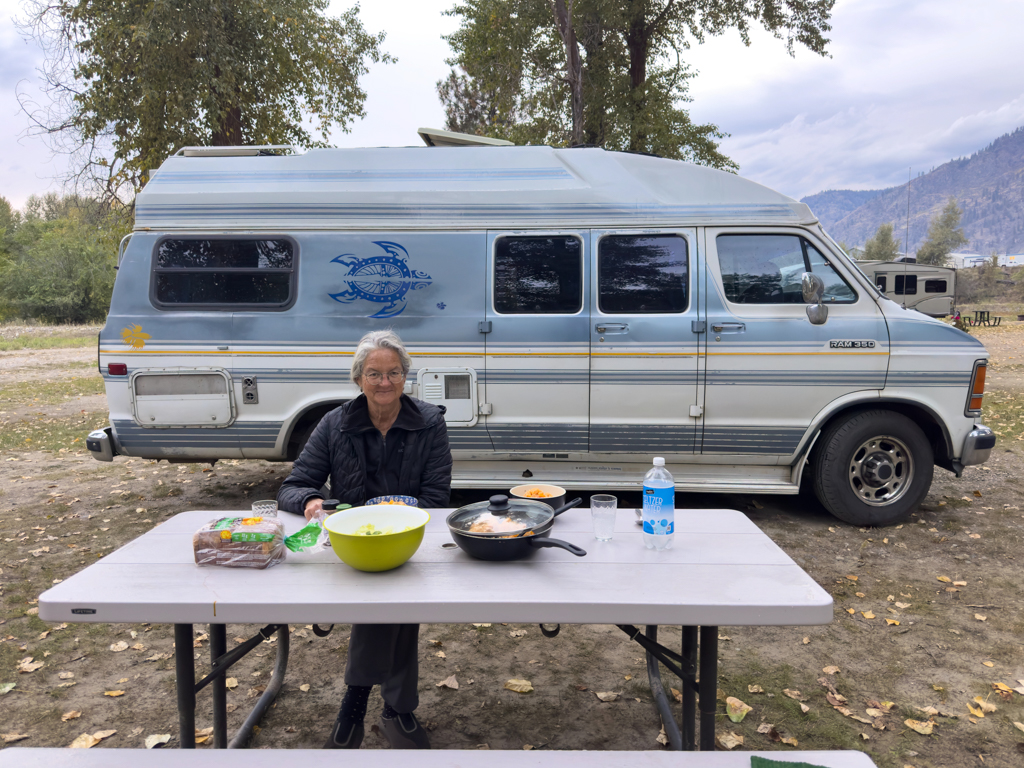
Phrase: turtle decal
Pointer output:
(381, 279)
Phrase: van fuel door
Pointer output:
(455, 389)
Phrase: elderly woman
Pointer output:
(380, 443)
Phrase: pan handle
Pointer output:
(574, 503)
(536, 541)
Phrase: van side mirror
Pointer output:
(813, 289)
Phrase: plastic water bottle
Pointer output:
(659, 506)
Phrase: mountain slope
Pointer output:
(988, 185)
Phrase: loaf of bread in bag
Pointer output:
(240, 542)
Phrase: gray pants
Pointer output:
(386, 655)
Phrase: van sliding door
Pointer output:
(644, 333)
(538, 342)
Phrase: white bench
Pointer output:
(13, 757)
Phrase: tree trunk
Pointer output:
(637, 43)
(229, 132)
(573, 64)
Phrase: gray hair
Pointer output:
(373, 341)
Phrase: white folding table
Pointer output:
(721, 571)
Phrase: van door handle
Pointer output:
(728, 327)
(612, 328)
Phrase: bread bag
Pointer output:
(240, 542)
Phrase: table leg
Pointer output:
(218, 646)
(185, 680)
(708, 686)
(689, 694)
(241, 738)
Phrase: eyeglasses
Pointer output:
(375, 378)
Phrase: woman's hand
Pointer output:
(312, 507)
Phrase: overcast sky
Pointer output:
(910, 84)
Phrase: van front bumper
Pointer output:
(978, 446)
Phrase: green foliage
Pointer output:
(61, 266)
(944, 236)
(601, 72)
(881, 246)
(132, 80)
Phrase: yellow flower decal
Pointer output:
(134, 337)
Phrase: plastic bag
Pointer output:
(240, 542)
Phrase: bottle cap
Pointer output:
(659, 461)
(331, 504)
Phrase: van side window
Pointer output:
(641, 274)
(906, 285)
(880, 282)
(538, 275)
(934, 286)
(228, 273)
(768, 269)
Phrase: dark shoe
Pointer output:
(404, 732)
(345, 735)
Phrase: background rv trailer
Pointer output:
(577, 311)
(926, 288)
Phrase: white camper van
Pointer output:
(577, 311)
(924, 287)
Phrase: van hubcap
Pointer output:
(881, 470)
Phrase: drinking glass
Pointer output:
(602, 509)
(264, 508)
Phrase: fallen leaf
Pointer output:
(676, 694)
(806, 640)
(865, 736)
(755, 689)
(791, 741)
(73, 715)
(979, 617)
(959, 583)
(736, 709)
(985, 706)
(974, 535)
(975, 712)
(867, 614)
(479, 626)
(1002, 687)
(728, 740)
(158, 657)
(924, 728)
(119, 646)
(527, 747)
(27, 665)
(113, 694)
(231, 682)
(6, 688)
(139, 647)
(852, 578)
(122, 680)
(451, 682)
(1018, 726)
(793, 694)
(930, 711)
(304, 687)
(988, 663)
(10, 738)
(977, 494)
(441, 655)
(157, 739)
(902, 606)
(831, 670)
(850, 611)
(606, 695)
(804, 708)
(873, 712)
(203, 735)
(944, 579)
(662, 737)
(517, 633)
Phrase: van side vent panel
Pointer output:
(433, 392)
(455, 389)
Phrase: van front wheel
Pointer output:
(873, 469)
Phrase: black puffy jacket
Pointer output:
(336, 449)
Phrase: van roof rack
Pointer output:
(243, 151)
(435, 137)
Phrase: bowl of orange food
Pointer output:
(552, 495)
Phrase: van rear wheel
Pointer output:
(873, 469)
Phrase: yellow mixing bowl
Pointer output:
(381, 551)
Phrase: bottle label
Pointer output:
(659, 510)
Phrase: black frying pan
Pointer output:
(497, 548)
(522, 515)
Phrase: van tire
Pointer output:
(873, 469)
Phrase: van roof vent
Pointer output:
(253, 151)
(435, 137)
